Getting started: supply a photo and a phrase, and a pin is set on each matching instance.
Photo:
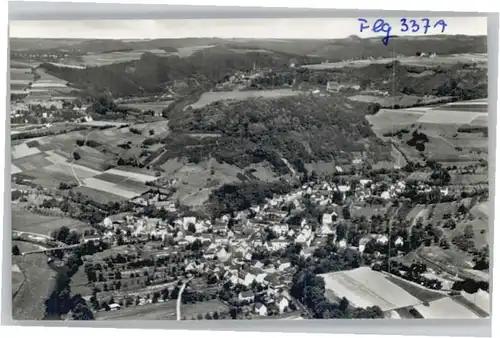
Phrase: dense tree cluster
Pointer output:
(299, 129)
(236, 197)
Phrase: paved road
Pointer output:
(179, 298)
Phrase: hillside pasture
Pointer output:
(389, 120)
(30, 222)
(111, 188)
(102, 59)
(28, 303)
(210, 97)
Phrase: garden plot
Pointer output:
(445, 308)
(364, 287)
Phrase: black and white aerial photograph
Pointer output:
(249, 169)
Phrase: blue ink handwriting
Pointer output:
(406, 25)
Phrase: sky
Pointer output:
(300, 28)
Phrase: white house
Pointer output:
(223, 255)
(399, 241)
(342, 244)
(382, 240)
(329, 218)
(385, 195)
(260, 278)
(247, 296)
(282, 303)
(114, 307)
(284, 266)
(261, 309)
(188, 220)
(248, 279)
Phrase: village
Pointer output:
(245, 260)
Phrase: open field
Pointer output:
(421, 293)
(28, 304)
(22, 150)
(99, 195)
(17, 279)
(101, 59)
(441, 116)
(210, 97)
(203, 308)
(449, 260)
(445, 308)
(481, 59)
(41, 224)
(157, 311)
(446, 144)
(364, 287)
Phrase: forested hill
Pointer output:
(301, 129)
(152, 74)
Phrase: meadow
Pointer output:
(210, 97)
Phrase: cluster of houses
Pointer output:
(231, 245)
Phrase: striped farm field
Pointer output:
(132, 175)
(124, 183)
(109, 187)
(32, 162)
(479, 121)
